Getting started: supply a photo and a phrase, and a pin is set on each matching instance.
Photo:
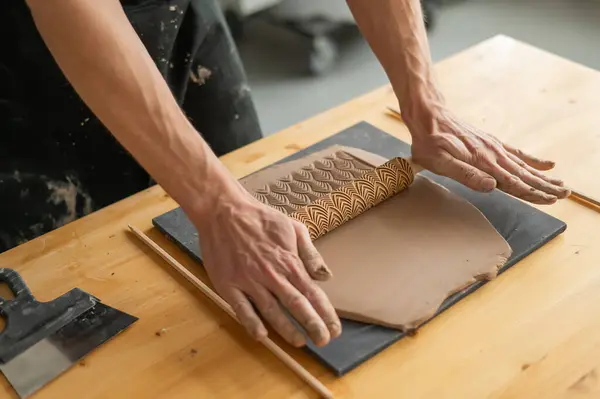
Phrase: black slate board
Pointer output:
(524, 228)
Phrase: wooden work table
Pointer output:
(533, 332)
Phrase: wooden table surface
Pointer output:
(533, 332)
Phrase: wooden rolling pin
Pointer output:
(336, 188)
(357, 196)
(220, 302)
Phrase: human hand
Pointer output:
(255, 253)
(450, 147)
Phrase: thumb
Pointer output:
(312, 259)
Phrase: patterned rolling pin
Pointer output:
(336, 189)
(358, 196)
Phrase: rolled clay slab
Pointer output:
(395, 264)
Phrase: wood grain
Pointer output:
(220, 302)
(530, 99)
(394, 111)
(533, 332)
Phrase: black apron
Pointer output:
(57, 161)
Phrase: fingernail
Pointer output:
(488, 184)
(565, 192)
(259, 333)
(298, 340)
(323, 273)
(318, 333)
(335, 329)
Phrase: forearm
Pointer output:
(96, 47)
(396, 33)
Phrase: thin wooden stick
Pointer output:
(575, 196)
(589, 201)
(395, 113)
(220, 302)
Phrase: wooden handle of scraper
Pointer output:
(220, 302)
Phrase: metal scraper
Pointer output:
(41, 340)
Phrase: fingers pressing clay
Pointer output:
(321, 304)
(245, 313)
(301, 309)
(317, 269)
(539, 164)
(310, 257)
(319, 301)
(271, 311)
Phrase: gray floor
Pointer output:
(285, 93)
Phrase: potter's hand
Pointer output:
(447, 146)
(254, 252)
(248, 249)
(442, 143)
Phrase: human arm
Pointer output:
(249, 250)
(442, 142)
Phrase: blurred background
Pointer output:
(303, 57)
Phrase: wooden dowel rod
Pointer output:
(220, 302)
(575, 196)
(395, 113)
(584, 198)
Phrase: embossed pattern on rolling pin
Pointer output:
(303, 187)
(334, 190)
(359, 195)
